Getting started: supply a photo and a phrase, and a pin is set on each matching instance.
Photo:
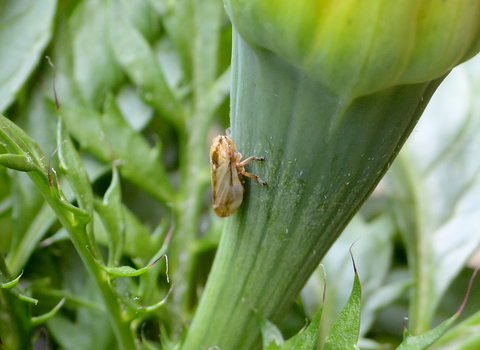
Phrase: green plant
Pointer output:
(99, 185)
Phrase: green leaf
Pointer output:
(25, 32)
(463, 336)
(180, 26)
(99, 134)
(110, 211)
(156, 306)
(11, 284)
(74, 169)
(138, 60)
(271, 335)
(434, 187)
(74, 219)
(90, 328)
(15, 326)
(424, 340)
(94, 65)
(345, 331)
(18, 143)
(139, 242)
(72, 298)
(308, 338)
(374, 238)
(17, 162)
(27, 299)
(128, 271)
(38, 320)
(77, 177)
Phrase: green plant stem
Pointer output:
(194, 180)
(75, 223)
(422, 304)
(324, 155)
(206, 20)
(187, 211)
(15, 325)
(18, 257)
(14, 321)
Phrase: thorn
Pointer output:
(54, 78)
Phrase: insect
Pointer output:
(227, 170)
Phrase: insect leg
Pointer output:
(249, 159)
(252, 176)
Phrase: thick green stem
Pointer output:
(324, 155)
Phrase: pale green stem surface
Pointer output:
(324, 155)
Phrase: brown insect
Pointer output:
(227, 170)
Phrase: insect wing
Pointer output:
(227, 189)
(226, 185)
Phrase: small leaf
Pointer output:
(154, 307)
(36, 321)
(424, 340)
(308, 338)
(11, 284)
(345, 330)
(17, 142)
(27, 299)
(128, 271)
(125, 271)
(272, 337)
(77, 177)
(17, 162)
(111, 213)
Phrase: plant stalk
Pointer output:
(324, 155)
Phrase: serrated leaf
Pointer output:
(139, 163)
(345, 330)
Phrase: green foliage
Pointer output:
(95, 193)
(11, 284)
(344, 333)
